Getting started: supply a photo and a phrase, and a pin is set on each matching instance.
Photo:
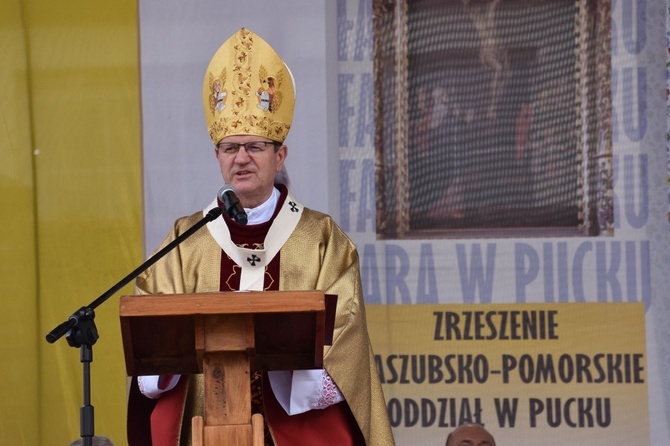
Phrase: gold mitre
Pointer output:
(248, 90)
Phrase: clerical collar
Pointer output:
(264, 212)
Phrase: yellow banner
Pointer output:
(550, 374)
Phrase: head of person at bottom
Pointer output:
(470, 434)
(248, 99)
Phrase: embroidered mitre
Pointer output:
(248, 90)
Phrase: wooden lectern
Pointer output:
(226, 336)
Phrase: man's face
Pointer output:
(471, 435)
(251, 173)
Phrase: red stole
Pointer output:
(303, 429)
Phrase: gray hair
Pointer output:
(282, 177)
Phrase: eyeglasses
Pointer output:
(252, 147)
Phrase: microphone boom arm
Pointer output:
(77, 318)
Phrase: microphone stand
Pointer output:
(80, 330)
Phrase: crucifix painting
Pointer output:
(489, 118)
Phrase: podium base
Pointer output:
(228, 435)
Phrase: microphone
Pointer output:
(231, 204)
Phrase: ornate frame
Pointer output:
(592, 109)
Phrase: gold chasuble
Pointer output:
(314, 254)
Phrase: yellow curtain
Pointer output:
(70, 188)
